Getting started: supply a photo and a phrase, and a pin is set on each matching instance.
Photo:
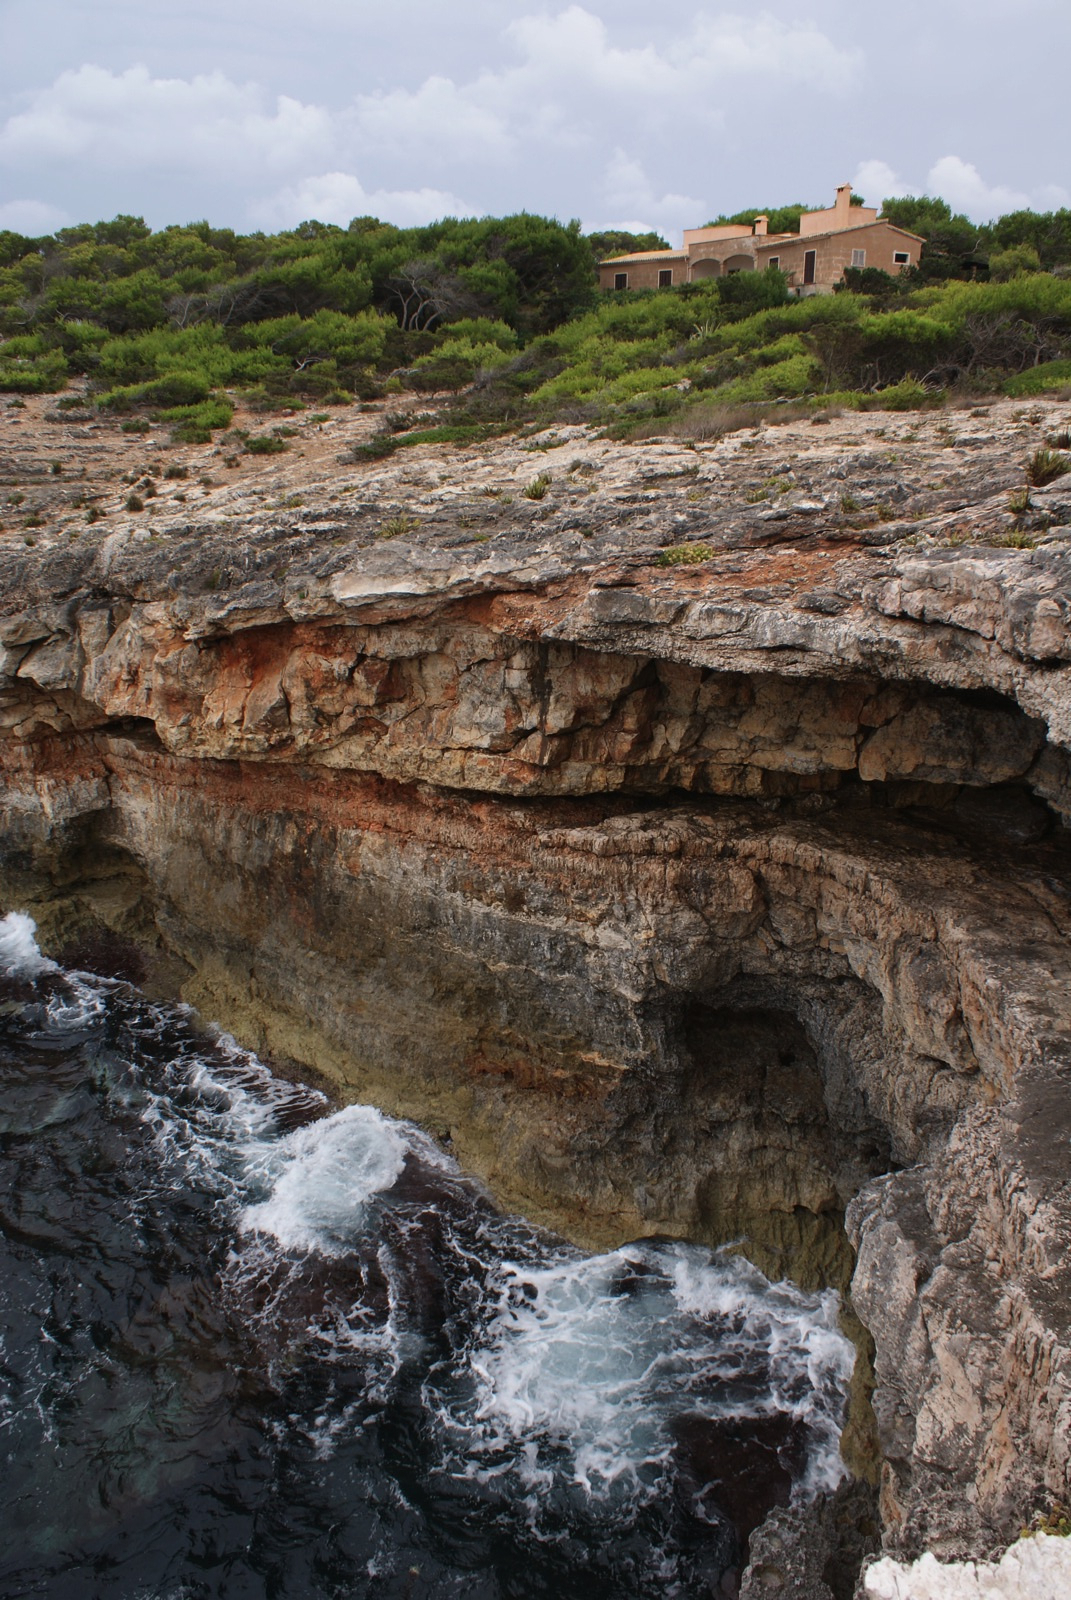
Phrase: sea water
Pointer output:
(253, 1346)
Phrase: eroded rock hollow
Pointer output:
(727, 899)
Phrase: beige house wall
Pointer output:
(726, 230)
(842, 214)
(643, 272)
(879, 241)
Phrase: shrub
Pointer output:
(176, 389)
(175, 471)
(907, 395)
(684, 555)
(1045, 466)
(1010, 263)
(195, 424)
(20, 376)
(397, 525)
(537, 488)
(1046, 375)
(460, 434)
(134, 502)
(134, 425)
(266, 444)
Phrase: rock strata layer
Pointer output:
(687, 846)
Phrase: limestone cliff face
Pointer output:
(707, 899)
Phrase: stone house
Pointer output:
(814, 258)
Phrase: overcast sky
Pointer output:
(640, 113)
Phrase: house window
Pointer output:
(810, 260)
(620, 280)
(774, 261)
(901, 258)
(665, 277)
(858, 258)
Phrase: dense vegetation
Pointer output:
(181, 322)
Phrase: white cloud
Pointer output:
(438, 119)
(730, 46)
(962, 185)
(339, 196)
(31, 217)
(628, 192)
(130, 121)
(571, 75)
(537, 121)
(876, 181)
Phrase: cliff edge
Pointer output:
(678, 829)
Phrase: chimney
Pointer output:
(760, 226)
(844, 200)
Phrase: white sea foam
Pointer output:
(593, 1357)
(19, 953)
(72, 1004)
(565, 1372)
(319, 1179)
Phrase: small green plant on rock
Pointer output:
(1015, 539)
(1056, 1522)
(134, 502)
(684, 555)
(537, 488)
(1019, 502)
(265, 444)
(397, 525)
(1046, 465)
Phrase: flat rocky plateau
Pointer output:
(678, 829)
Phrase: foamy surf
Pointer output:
(586, 1362)
(319, 1179)
(470, 1370)
(19, 953)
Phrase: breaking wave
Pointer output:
(280, 1325)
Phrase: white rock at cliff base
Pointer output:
(1038, 1568)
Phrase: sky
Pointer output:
(637, 114)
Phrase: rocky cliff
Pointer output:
(683, 838)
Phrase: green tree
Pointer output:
(616, 242)
(1012, 262)
(954, 247)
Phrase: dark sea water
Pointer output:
(255, 1347)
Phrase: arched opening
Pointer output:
(707, 268)
(739, 263)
